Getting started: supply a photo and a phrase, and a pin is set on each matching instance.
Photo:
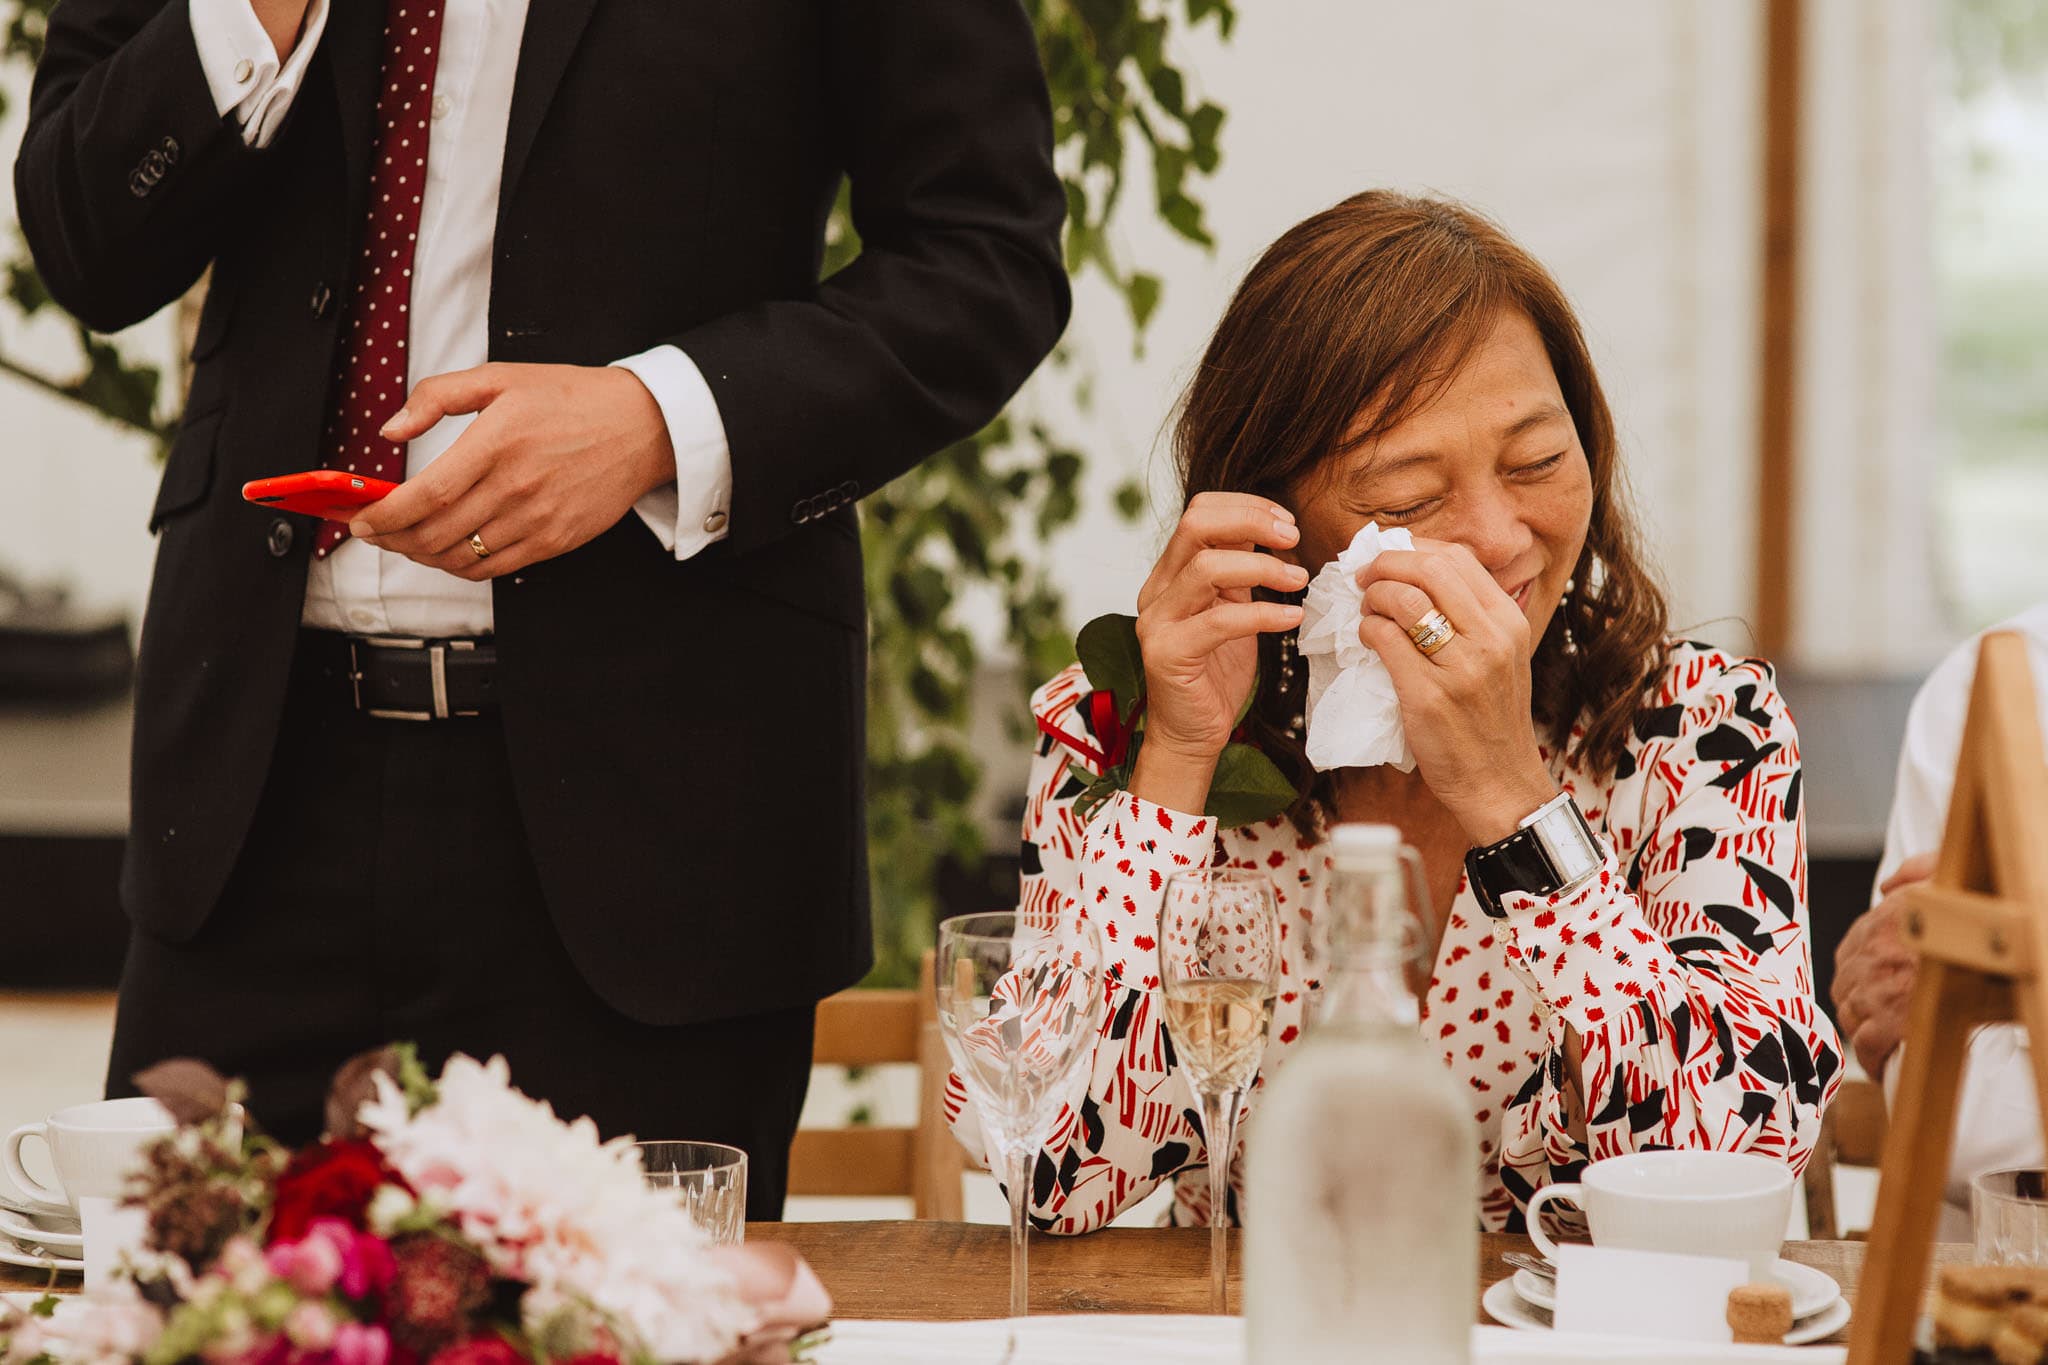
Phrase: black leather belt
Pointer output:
(397, 678)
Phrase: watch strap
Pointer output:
(1553, 848)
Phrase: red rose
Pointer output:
(327, 1180)
(479, 1351)
(436, 1288)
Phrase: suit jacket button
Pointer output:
(322, 301)
(170, 150)
(280, 538)
(802, 512)
(140, 187)
(154, 165)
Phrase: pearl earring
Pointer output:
(1289, 656)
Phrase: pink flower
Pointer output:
(332, 1255)
(310, 1326)
(310, 1265)
(358, 1343)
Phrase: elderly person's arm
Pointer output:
(1677, 981)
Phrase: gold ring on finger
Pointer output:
(476, 543)
(1432, 632)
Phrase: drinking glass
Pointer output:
(2009, 1214)
(708, 1178)
(1020, 1010)
(1219, 965)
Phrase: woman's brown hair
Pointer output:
(1369, 307)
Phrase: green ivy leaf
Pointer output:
(1108, 650)
(1130, 499)
(1247, 788)
(1142, 291)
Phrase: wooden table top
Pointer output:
(940, 1271)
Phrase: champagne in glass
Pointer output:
(1219, 964)
(1021, 1010)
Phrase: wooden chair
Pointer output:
(1852, 1134)
(868, 1028)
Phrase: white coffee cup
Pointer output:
(1730, 1204)
(93, 1148)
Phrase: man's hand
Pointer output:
(282, 20)
(1874, 971)
(557, 454)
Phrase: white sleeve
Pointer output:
(691, 513)
(1927, 763)
(242, 67)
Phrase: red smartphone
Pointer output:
(330, 494)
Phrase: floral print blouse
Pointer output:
(1683, 964)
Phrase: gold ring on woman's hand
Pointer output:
(1432, 632)
(476, 543)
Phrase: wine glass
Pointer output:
(707, 1178)
(1020, 1010)
(1219, 965)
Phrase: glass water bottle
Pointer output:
(1362, 1164)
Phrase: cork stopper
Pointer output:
(1760, 1314)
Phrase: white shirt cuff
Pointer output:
(692, 512)
(242, 68)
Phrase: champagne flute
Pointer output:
(1219, 965)
(1021, 1011)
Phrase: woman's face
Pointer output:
(1493, 463)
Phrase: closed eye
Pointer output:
(1408, 513)
(1543, 466)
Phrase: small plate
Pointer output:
(10, 1254)
(1507, 1307)
(1812, 1290)
(25, 1230)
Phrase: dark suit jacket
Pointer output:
(686, 737)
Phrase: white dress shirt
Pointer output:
(1998, 1125)
(359, 588)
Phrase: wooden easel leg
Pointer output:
(1948, 1001)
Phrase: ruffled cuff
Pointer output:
(1586, 950)
(1131, 847)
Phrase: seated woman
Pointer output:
(1399, 360)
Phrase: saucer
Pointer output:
(20, 1229)
(1812, 1290)
(1507, 1308)
(10, 1254)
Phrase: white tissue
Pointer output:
(1354, 717)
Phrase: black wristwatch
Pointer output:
(1552, 851)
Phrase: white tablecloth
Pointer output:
(1109, 1339)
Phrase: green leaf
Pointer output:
(1108, 650)
(1130, 499)
(1247, 788)
(45, 1307)
(1142, 290)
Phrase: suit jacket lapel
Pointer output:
(552, 30)
(354, 47)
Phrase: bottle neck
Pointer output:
(1371, 991)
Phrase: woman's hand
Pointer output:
(1466, 708)
(1198, 627)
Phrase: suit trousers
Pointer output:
(385, 894)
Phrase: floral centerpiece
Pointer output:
(449, 1221)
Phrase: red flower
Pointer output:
(437, 1288)
(327, 1180)
(593, 1358)
(479, 1351)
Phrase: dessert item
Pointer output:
(1760, 1314)
(1972, 1302)
(2023, 1338)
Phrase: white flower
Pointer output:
(112, 1326)
(549, 1204)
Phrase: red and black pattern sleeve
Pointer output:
(1684, 965)
(1137, 1123)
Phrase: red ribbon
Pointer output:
(1104, 722)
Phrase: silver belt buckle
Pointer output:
(437, 671)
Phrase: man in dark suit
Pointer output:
(557, 751)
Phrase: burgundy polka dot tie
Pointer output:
(369, 382)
